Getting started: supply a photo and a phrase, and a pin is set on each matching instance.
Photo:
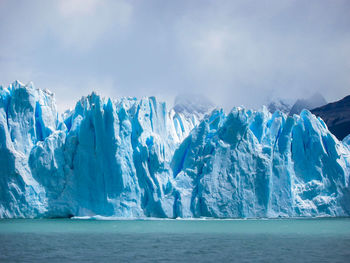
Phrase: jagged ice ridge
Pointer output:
(134, 158)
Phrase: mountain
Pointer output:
(337, 116)
(193, 104)
(316, 100)
(133, 158)
(295, 107)
(279, 104)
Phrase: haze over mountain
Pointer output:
(290, 106)
(282, 105)
(316, 100)
(193, 104)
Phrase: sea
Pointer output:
(202, 240)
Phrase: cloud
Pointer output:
(70, 8)
(235, 52)
(282, 48)
(82, 23)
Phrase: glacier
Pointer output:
(136, 158)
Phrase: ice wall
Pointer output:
(133, 158)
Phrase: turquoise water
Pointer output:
(67, 240)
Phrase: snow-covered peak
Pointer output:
(193, 104)
(283, 105)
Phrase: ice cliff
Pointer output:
(135, 158)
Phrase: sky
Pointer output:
(237, 53)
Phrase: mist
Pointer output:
(236, 53)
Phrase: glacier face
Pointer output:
(133, 158)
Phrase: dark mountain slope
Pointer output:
(337, 116)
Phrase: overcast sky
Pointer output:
(234, 52)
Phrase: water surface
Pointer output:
(67, 240)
